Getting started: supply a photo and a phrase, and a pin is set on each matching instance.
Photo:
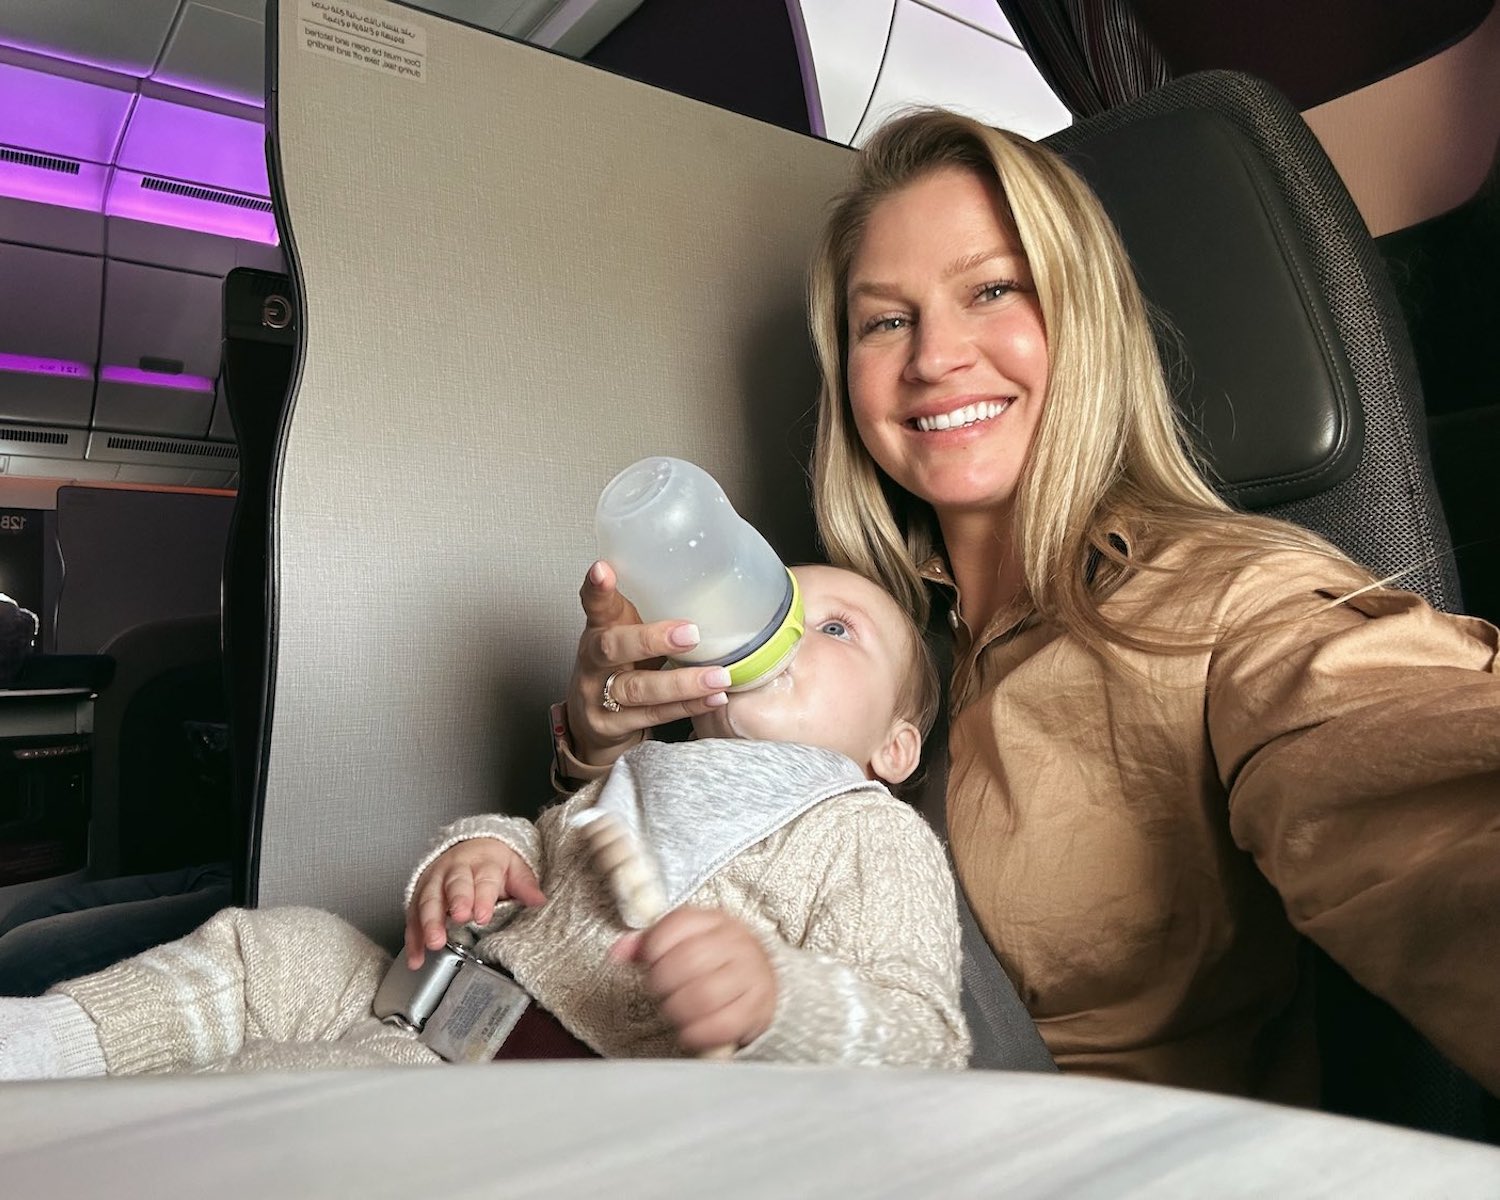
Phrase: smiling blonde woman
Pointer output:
(1182, 738)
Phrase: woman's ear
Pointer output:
(899, 755)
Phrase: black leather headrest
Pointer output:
(1266, 383)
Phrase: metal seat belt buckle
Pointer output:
(459, 1007)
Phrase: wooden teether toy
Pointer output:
(632, 878)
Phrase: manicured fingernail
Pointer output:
(716, 677)
(684, 637)
(596, 573)
(717, 700)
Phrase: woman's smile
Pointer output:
(963, 416)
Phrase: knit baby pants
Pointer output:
(264, 989)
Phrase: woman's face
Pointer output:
(947, 354)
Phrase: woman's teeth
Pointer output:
(970, 414)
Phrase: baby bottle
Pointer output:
(680, 550)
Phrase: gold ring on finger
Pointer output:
(607, 697)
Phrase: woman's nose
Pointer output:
(939, 347)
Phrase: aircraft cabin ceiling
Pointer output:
(133, 178)
(218, 46)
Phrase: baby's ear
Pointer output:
(899, 755)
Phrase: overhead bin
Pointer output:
(158, 352)
(29, 223)
(49, 334)
(167, 246)
(58, 133)
(193, 168)
(196, 145)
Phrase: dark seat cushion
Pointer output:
(1262, 378)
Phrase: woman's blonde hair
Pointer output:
(1107, 468)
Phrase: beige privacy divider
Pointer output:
(519, 274)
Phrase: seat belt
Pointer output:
(1004, 1036)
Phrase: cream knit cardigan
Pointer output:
(853, 901)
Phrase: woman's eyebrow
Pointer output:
(969, 261)
(883, 291)
(889, 291)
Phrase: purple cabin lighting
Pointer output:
(138, 377)
(30, 364)
(105, 149)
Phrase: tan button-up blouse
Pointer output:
(1142, 841)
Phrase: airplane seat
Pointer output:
(159, 819)
(1296, 371)
(157, 803)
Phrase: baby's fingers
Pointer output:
(458, 892)
(412, 941)
(627, 947)
(489, 888)
(426, 928)
(521, 884)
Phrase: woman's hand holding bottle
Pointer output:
(616, 648)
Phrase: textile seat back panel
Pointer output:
(518, 274)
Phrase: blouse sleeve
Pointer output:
(1359, 741)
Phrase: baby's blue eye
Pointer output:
(834, 629)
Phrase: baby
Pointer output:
(810, 915)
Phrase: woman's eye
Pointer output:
(995, 291)
(883, 325)
(838, 629)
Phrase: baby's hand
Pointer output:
(463, 884)
(710, 975)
